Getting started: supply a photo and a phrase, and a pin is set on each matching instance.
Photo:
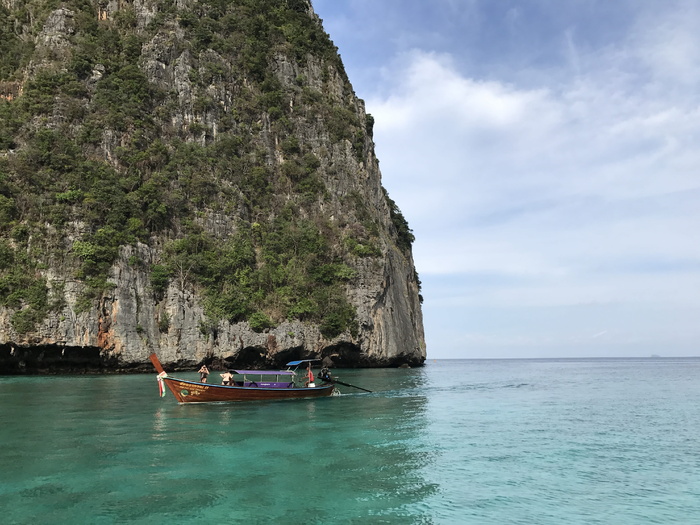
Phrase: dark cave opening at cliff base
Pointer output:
(338, 356)
(51, 359)
(344, 355)
(250, 358)
(257, 358)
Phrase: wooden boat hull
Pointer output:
(194, 392)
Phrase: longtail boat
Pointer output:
(247, 385)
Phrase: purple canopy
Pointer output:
(264, 372)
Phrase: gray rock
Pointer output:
(129, 322)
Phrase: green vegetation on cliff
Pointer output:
(97, 153)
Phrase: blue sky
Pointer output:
(546, 154)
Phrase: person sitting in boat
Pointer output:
(325, 375)
(203, 374)
(227, 378)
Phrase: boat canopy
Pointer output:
(264, 372)
(295, 363)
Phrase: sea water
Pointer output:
(574, 441)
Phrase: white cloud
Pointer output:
(581, 192)
(666, 40)
(432, 90)
(560, 203)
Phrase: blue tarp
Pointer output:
(295, 363)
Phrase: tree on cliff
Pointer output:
(224, 136)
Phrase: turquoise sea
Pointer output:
(571, 441)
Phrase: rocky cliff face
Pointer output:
(211, 132)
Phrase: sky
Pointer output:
(546, 154)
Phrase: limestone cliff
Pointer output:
(196, 179)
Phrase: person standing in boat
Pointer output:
(310, 377)
(203, 374)
(227, 378)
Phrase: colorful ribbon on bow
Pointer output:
(161, 388)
